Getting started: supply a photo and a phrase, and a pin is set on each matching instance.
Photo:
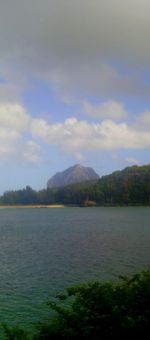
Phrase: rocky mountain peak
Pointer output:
(74, 174)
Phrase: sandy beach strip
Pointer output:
(31, 206)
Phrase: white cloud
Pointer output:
(77, 135)
(15, 136)
(72, 135)
(31, 152)
(8, 135)
(109, 110)
(14, 116)
(14, 122)
(132, 161)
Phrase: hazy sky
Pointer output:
(74, 87)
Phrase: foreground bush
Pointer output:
(98, 311)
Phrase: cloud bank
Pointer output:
(75, 135)
(79, 46)
(22, 134)
(91, 55)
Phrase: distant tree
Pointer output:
(130, 186)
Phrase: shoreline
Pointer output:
(32, 206)
(51, 206)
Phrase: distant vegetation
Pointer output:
(130, 186)
(97, 311)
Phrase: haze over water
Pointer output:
(42, 251)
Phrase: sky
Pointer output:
(74, 87)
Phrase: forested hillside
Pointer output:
(130, 186)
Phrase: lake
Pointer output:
(42, 251)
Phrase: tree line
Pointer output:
(130, 186)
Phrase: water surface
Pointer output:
(42, 251)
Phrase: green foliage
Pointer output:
(105, 310)
(128, 187)
(99, 311)
(14, 333)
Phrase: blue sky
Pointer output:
(74, 87)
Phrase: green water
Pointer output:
(42, 251)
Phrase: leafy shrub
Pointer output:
(100, 311)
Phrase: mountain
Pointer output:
(74, 174)
(82, 187)
(130, 186)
